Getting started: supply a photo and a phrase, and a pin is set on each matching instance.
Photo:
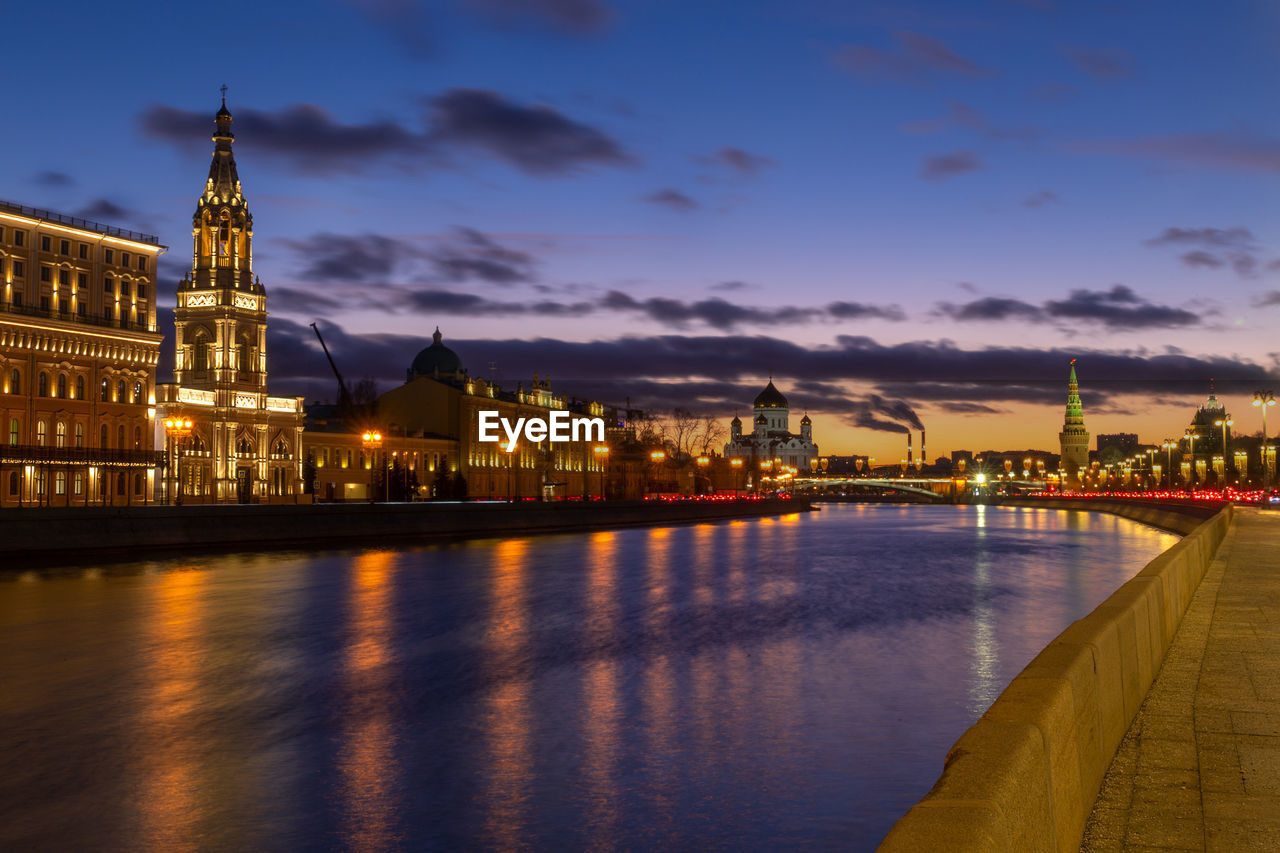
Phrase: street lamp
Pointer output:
(736, 465)
(1168, 445)
(1191, 437)
(602, 462)
(1264, 400)
(176, 430)
(703, 462)
(371, 441)
(509, 447)
(1224, 423)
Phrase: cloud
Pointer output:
(859, 310)
(1117, 308)
(964, 117)
(738, 160)
(472, 255)
(579, 17)
(1102, 64)
(407, 21)
(730, 286)
(1266, 300)
(916, 58)
(1216, 248)
(943, 166)
(1040, 198)
(673, 199)
(53, 179)
(538, 140)
(103, 208)
(1239, 151)
(338, 257)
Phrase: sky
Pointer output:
(908, 213)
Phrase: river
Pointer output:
(761, 684)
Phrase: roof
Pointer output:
(770, 398)
(436, 360)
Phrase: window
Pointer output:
(79, 436)
(79, 483)
(137, 438)
(142, 291)
(63, 305)
(62, 385)
(44, 384)
(65, 247)
(120, 437)
(121, 398)
(13, 432)
(17, 300)
(137, 484)
(242, 354)
(82, 280)
(44, 243)
(79, 387)
(108, 313)
(64, 277)
(40, 483)
(107, 256)
(142, 263)
(17, 269)
(104, 394)
(13, 483)
(46, 274)
(120, 483)
(60, 483)
(124, 288)
(19, 238)
(15, 381)
(102, 437)
(84, 250)
(41, 433)
(82, 309)
(44, 303)
(60, 435)
(108, 285)
(137, 393)
(124, 259)
(202, 353)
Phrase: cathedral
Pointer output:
(771, 437)
(225, 439)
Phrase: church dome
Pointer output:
(805, 421)
(737, 421)
(770, 398)
(436, 360)
(760, 419)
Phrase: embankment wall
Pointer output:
(1026, 775)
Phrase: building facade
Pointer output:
(78, 353)
(771, 439)
(1074, 438)
(244, 445)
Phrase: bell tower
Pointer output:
(1074, 438)
(245, 446)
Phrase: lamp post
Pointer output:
(1264, 400)
(509, 448)
(1191, 438)
(736, 465)
(176, 430)
(371, 441)
(703, 462)
(658, 456)
(1224, 423)
(1168, 445)
(602, 462)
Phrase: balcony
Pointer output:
(71, 317)
(34, 454)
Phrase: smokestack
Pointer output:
(924, 460)
(908, 448)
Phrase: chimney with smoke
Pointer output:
(908, 448)
(924, 460)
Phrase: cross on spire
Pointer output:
(223, 89)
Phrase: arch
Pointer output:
(244, 446)
(120, 392)
(79, 434)
(15, 381)
(60, 434)
(41, 433)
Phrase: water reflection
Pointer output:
(367, 763)
(601, 708)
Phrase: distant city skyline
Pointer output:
(925, 205)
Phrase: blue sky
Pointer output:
(677, 194)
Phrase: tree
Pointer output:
(690, 434)
(442, 487)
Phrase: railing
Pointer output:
(34, 454)
(75, 222)
(70, 317)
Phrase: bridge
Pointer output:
(936, 488)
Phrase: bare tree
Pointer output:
(690, 434)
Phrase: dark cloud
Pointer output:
(860, 310)
(581, 17)
(293, 300)
(536, 139)
(740, 161)
(103, 208)
(1217, 248)
(958, 408)
(1102, 64)
(472, 255)
(1266, 300)
(916, 58)
(1239, 151)
(715, 312)
(1117, 308)
(53, 179)
(943, 166)
(1040, 198)
(730, 286)
(450, 302)
(338, 257)
(673, 199)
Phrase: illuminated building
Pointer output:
(244, 445)
(1074, 438)
(771, 438)
(78, 350)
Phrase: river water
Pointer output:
(762, 684)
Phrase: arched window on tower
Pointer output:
(201, 352)
(244, 448)
(137, 393)
(242, 354)
(60, 434)
(224, 239)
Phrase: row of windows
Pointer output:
(82, 307)
(18, 237)
(19, 270)
(77, 483)
(341, 457)
(60, 435)
(60, 388)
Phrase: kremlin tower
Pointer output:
(1074, 438)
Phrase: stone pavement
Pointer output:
(1199, 769)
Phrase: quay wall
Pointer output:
(1026, 775)
(124, 531)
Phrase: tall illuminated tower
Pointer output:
(1074, 438)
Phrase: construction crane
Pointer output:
(344, 396)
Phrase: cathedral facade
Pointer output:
(770, 439)
(233, 442)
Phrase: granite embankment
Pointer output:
(1026, 775)
(129, 531)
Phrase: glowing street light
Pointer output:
(1191, 437)
(371, 441)
(509, 447)
(177, 430)
(1264, 400)
(1224, 423)
(602, 462)
(1168, 445)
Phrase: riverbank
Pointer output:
(1026, 775)
(68, 533)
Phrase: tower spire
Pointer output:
(1074, 438)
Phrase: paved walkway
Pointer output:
(1199, 768)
